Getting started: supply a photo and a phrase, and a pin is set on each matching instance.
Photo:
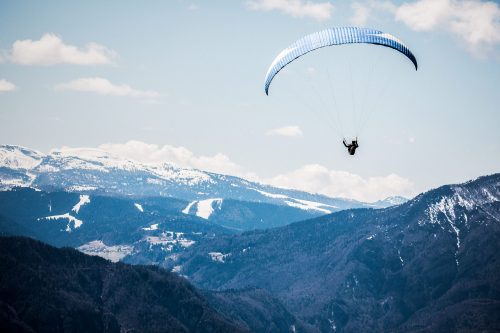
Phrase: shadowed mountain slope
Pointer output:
(44, 289)
(426, 265)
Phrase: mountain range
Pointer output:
(259, 260)
(428, 265)
(134, 212)
(95, 171)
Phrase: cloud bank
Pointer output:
(477, 23)
(152, 153)
(361, 13)
(320, 11)
(474, 23)
(6, 86)
(319, 179)
(288, 131)
(51, 50)
(104, 87)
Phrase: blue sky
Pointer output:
(182, 81)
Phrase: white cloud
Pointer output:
(103, 86)
(290, 131)
(319, 179)
(51, 50)
(6, 85)
(423, 15)
(474, 22)
(193, 6)
(382, 5)
(361, 13)
(319, 11)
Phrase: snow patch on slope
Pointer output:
(461, 198)
(271, 195)
(152, 227)
(84, 199)
(310, 205)
(139, 207)
(71, 219)
(205, 208)
(299, 203)
(188, 207)
(448, 207)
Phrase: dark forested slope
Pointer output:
(44, 289)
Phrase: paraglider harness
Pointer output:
(351, 148)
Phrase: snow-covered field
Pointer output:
(113, 253)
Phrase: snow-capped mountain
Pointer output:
(390, 201)
(97, 171)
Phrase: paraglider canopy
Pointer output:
(334, 36)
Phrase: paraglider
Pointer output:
(351, 148)
(332, 37)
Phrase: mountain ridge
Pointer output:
(97, 171)
(412, 267)
(416, 266)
